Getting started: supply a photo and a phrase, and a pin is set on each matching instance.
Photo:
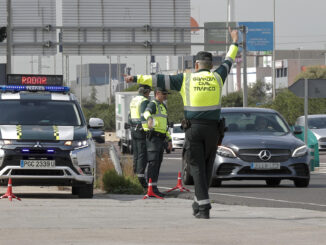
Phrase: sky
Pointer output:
(299, 24)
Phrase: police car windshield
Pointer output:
(39, 112)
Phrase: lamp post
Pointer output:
(273, 60)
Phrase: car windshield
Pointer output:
(177, 129)
(39, 112)
(255, 122)
(317, 122)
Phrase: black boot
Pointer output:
(157, 192)
(202, 214)
(143, 182)
(195, 208)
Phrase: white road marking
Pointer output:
(258, 198)
(172, 158)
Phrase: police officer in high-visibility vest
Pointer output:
(139, 127)
(156, 116)
(201, 92)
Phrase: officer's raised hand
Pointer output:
(234, 35)
(129, 79)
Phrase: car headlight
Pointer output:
(77, 144)
(300, 151)
(225, 152)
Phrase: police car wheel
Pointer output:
(301, 182)
(74, 190)
(85, 191)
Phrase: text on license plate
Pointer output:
(265, 165)
(37, 163)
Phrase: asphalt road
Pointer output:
(253, 193)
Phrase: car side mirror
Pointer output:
(297, 130)
(95, 122)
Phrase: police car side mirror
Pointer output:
(95, 122)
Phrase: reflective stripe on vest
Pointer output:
(202, 91)
(160, 118)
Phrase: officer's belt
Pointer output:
(203, 121)
(157, 134)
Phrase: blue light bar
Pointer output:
(50, 151)
(25, 150)
(18, 88)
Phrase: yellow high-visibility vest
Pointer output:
(160, 119)
(135, 113)
(201, 91)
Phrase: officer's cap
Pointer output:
(163, 90)
(144, 86)
(206, 56)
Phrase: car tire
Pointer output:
(186, 176)
(273, 182)
(216, 183)
(85, 191)
(301, 182)
(74, 190)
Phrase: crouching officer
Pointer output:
(201, 92)
(156, 116)
(138, 132)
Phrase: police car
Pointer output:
(44, 138)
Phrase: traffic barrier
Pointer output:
(150, 192)
(9, 193)
(179, 185)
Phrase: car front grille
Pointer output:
(248, 170)
(226, 169)
(251, 155)
(37, 172)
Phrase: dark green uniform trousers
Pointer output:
(201, 146)
(155, 148)
(140, 155)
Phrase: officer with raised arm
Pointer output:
(201, 92)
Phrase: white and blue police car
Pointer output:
(44, 137)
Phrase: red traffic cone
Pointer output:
(150, 192)
(9, 193)
(179, 184)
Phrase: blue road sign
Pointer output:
(259, 35)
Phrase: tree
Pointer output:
(175, 107)
(312, 72)
(234, 99)
(257, 93)
(289, 105)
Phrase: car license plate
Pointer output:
(265, 165)
(37, 163)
